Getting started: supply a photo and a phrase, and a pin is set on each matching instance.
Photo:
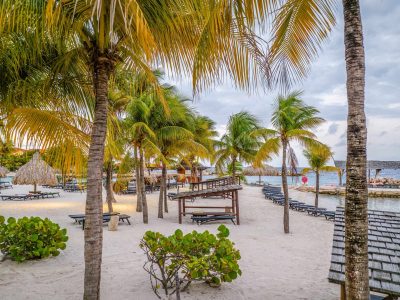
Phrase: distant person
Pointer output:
(304, 180)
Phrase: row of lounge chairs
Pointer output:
(24, 197)
(274, 193)
(80, 218)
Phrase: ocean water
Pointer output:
(328, 201)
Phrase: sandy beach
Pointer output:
(274, 265)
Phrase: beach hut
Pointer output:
(3, 171)
(35, 172)
(265, 170)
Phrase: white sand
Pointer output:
(274, 265)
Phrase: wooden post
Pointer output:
(342, 291)
(180, 210)
(237, 207)
(184, 206)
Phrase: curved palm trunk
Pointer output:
(139, 206)
(163, 189)
(285, 189)
(316, 188)
(356, 213)
(141, 188)
(94, 204)
(164, 179)
(109, 191)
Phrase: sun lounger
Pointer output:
(80, 218)
(294, 204)
(20, 197)
(316, 211)
(330, 215)
(206, 217)
(303, 207)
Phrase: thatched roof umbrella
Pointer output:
(35, 172)
(3, 171)
(265, 170)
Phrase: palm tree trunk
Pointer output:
(161, 196)
(109, 191)
(356, 207)
(142, 189)
(234, 168)
(285, 189)
(316, 188)
(164, 179)
(139, 206)
(94, 205)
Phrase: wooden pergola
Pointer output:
(227, 191)
(214, 182)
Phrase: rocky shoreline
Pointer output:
(340, 191)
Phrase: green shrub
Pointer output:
(194, 256)
(31, 238)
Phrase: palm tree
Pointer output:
(238, 144)
(139, 133)
(356, 208)
(203, 129)
(318, 157)
(292, 120)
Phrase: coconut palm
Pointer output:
(203, 129)
(238, 144)
(317, 157)
(292, 120)
(173, 139)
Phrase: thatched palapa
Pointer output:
(265, 170)
(3, 171)
(35, 172)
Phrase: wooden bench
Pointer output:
(206, 217)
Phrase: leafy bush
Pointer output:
(31, 238)
(194, 256)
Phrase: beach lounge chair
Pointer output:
(316, 211)
(206, 217)
(303, 207)
(329, 215)
(80, 218)
(20, 197)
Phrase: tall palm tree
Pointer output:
(238, 144)
(292, 120)
(356, 208)
(317, 157)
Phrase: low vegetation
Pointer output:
(31, 238)
(175, 261)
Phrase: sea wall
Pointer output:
(375, 192)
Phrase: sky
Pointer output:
(325, 88)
